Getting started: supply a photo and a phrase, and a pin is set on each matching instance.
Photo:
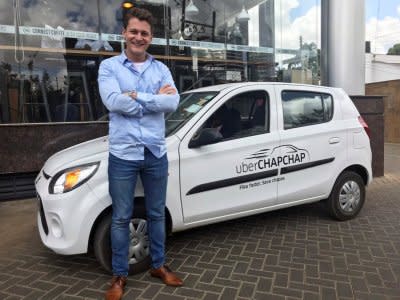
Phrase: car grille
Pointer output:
(42, 216)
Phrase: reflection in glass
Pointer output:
(190, 104)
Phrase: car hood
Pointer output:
(87, 152)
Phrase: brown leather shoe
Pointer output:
(167, 276)
(116, 290)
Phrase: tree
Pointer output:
(395, 50)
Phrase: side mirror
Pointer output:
(205, 137)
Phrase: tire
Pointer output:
(347, 196)
(139, 256)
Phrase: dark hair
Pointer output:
(139, 13)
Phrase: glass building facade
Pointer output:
(50, 50)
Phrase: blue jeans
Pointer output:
(122, 177)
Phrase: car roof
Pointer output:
(232, 86)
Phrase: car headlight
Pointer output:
(69, 179)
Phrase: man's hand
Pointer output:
(167, 90)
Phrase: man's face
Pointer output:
(138, 38)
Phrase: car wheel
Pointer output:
(139, 255)
(347, 196)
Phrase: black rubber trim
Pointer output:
(231, 181)
(47, 176)
(312, 164)
(42, 216)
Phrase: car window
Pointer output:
(305, 108)
(245, 114)
(189, 105)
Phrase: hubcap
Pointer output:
(349, 196)
(139, 241)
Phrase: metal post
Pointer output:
(183, 16)
(346, 45)
(213, 26)
(324, 42)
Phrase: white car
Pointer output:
(234, 150)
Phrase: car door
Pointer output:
(225, 178)
(313, 143)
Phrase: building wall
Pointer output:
(380, 67)
(390, 90)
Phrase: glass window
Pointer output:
(50, 51)
(49, 57)
(298, 41)
(305, 108)
(246, 114)
(190, 104)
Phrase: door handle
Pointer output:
(334, 140)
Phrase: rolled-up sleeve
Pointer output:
(111, 95)
(161, 102)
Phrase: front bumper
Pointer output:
(65, 220)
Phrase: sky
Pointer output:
(382, 24)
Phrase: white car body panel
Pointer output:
(226, 158)
(329, 142)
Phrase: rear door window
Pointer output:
(303, 108)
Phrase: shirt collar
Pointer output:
(124, 59)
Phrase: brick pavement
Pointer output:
(296, 253)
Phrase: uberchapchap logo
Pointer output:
(277, 157)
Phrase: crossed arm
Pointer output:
(137, 103)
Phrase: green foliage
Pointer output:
(395, 50)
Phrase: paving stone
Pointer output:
(264, 296)
(281, 280)
(132, 293)
(209, 287)
(43, 285)
(328, 293)
(151, 291)
(228, 294)
(210, 296)
(264, 285)
(287, 292)
(227, 282)
(344, 290)
(310, 296)
(193, 293)
(52, 294)
(93, 294)
(19, 290)
(247, 290)
(304, 287)
(208, 276)
(168, 297)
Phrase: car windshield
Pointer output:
(190, 104)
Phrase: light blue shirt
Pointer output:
(135, 124)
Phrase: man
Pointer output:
(137, 90)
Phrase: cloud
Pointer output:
(383, 33)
